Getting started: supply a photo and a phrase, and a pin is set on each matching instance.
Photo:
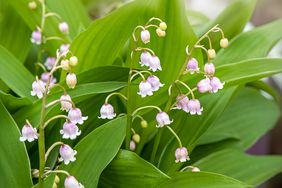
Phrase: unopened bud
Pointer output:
(32, 5)
(35, 173)
(224, 43)
(54, 185)
(132, 145)
(73, 61)
(211, 53)
(57, 179)
(71, 80)
(163, 26)
(136, 138)
(160, 32)
(144, 124)
(195, 169)
(65, 64)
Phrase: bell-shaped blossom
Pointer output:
(182, 102)
(73, 61)
(216, 84)
(194, 107)
(67, 154)
(71, 182)
(50, 62)
(145, 89)
(70, 131)
(155, 82)
(45, 77)
(209, 69)
(28, 133)
(160, 32)
(66, 104)
(181, 155)
(107, 112)
(192, 66)
(155, 64)
(132, 145)
(64, 27)
(75, 116)
(71, 80)
(64, 48)
(145, 36)
(204, 85)
(36, 37)
(38, 88)
(163, 119)
(145, 58)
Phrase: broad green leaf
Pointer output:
(14, 74)
(17, 42)
(230, 21)
(202, 179)
(252, 44)
(129, 170)
(247, 117)
(14, 162)
(48, 182)
(250, 169)
(96, 151)
(13, 103)
(32, 113)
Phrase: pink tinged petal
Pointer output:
(107, 112)
(204, 85)
(50, 62)
(145, 58)
(70, 130)
(71, 80)
(209, 69)
(28, 133)
(194, 107)
(64, 48)
(38, 88)
(155, 82)
(155, 64)
(145, 36)
(66, 106)
(216, 84)
(182, 102)
(181, 155)
(75, 116)
(192, 66)
(132, 145)
(36, 37)
(71, 182)
(145, 89)
(64, 27)
(163, 119)
(67, 154)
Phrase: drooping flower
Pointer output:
(32, 5)
(163, 26)
(145, 58)
(154, 64)
(160, 32)
(71, 182)
(45, 77)
(194, 107)
(211, 53)
(71, 80)
(182, 102)
(64, 48)
(181, 155)
(67, 154)
(163, 119)
(36, 37)
(28, 133)
(64, 27)
(155, 82)
(216, 84)
(70, 130)
(50, 62)
(145, 36)
(75, 116)
(107, 112)
(38, 88)
(209, 69)
(145, 89)
(132, 145)
(204, 85)
(73, 61)
(65, 64)
(192, 66)
(224, 43)
(65, 105)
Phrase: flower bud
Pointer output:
(57, 179)
(132, 145)
(209, 69)
(195, 169)
(73, 61)
(64, 27)
(107, 112)
(65, 105)
(211, 53)
(71, 182)
(145, 36)
(64, 48)
(160, 32)
(50, 62)
(224, 43)
(32, 5)
(67, 154)
(163, 26)
(181, 155)
(36, 37)
(144, 124)
(145, 89)
(54, 185)
(136, 138)
(28, 133)
(65, 64)
(163, 119)
(71, 80)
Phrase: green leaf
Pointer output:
(250, 169)
(14, 162)
(247, 117)
(14, 74)
(13, 103)
(202, 179)
(129, 170)
(96, 151)
(248, 70)
(247, 45)
(32, 112)
(18, 44)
